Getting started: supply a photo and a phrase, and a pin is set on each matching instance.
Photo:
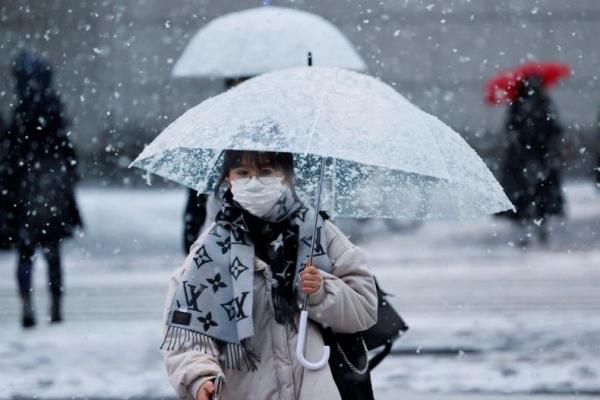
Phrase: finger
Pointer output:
(310, 287)
(314, 284)
(312, 279)
(315, 274)
(205, 391)
(307, 284)
(310, 272)
(308, 275)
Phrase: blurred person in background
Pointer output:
(199, 205)
(41, 164)
(6, 234)
(531, 171)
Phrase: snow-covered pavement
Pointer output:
(485, 316)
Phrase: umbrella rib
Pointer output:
(333, 177)
(318, 112)
(213, 163)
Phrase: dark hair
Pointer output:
(233, 82)
(531, 86)
(277, 160)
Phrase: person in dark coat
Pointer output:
(195, 212)
(42, 175)
(531, 174)
(6, 234)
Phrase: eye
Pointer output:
(267, 171)
(239, 172)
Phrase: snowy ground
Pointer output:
(485, 316)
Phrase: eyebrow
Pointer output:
(259, 166)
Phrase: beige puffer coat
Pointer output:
(346, 301)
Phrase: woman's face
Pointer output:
(249, 166)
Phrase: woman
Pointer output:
(42, 173)
(531, 174)
(232, 308)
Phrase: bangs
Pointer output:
(237, 158)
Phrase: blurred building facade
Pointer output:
(113, 59)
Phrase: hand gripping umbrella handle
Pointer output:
(301, 343)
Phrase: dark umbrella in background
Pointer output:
(503, 87)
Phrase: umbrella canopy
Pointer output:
(264, 39)
(503, 87)
(385, 157)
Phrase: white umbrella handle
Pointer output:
(301, 343)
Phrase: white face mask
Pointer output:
(258, 197)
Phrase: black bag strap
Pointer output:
(373, 362)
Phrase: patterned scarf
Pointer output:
(215, 297)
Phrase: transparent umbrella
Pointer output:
(383, 156)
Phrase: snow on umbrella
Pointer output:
(384, 156)
(503, 87)
(264, 39)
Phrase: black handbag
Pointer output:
(349, 360)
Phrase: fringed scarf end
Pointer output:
(232, 355)
(177, 338)
(238, 355)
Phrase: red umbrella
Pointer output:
(502, 88)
